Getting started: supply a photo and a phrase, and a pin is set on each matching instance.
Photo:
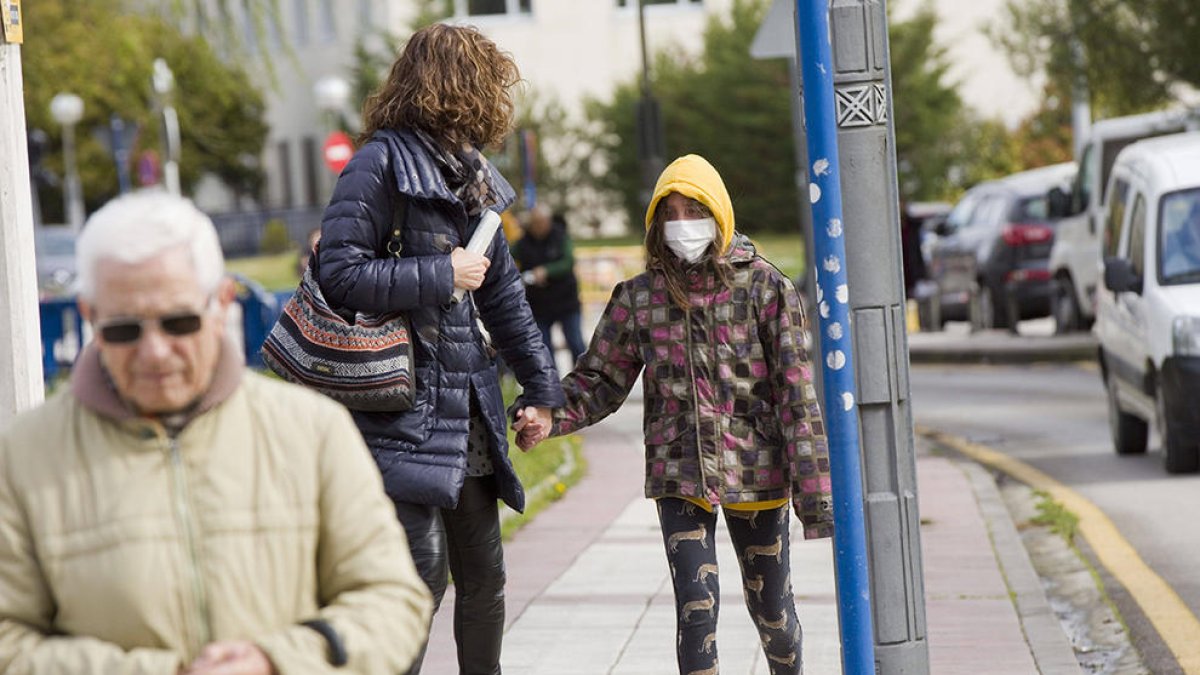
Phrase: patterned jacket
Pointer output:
(731, 415)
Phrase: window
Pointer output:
(1137, 234)
(250, 27)
(301, 17)
(634, 4)
(311, 157)
(492, 7)
(1080, 193)
(365, 17)
(1116, 216)
(328, 25)
(1179, 237)
(286, 196)
(960, 215)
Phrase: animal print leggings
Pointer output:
(761, 541)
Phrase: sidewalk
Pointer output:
(589, 591)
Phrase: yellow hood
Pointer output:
(692, 176)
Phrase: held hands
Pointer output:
(532, 426)
(231, 657)
(469, 268)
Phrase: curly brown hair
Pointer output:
(659, 256)
(451, 82)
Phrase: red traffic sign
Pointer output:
(337, 151)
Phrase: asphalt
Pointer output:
(589, 589)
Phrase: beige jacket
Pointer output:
(126, 550)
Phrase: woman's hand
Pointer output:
(532, 426)
(469, 268)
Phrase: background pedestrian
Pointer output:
(546, 257)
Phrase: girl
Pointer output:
(731, 416)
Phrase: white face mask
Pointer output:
(689, 239)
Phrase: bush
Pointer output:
(275, 237)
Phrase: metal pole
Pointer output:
(837, 347)
(20, 335)
(866, 141)
(74, 187)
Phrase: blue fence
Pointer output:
(63, 331)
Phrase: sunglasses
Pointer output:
(126, 331)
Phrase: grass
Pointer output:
(1055, 516)
(276, 272)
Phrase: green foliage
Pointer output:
(1044, 137)
(104, 54)
(927, 110)
(730, 108)
(1130, 51)
(1055, 516)
(274, 238)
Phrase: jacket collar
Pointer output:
(741, 250)
(417, 175)
(93, 388)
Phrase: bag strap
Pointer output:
(399, 221)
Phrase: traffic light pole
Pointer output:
(20, 337)
(845, 62)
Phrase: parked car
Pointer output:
(54, 248)
(989, 263)
(1148, 310)
(1075, 257)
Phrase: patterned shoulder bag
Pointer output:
(363, 361)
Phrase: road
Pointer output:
(1053, 417)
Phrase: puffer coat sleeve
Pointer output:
(782, 329)
(507, 317)
(356, 228)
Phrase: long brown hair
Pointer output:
(659, 256)
(451, 82)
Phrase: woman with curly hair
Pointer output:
(420, 183)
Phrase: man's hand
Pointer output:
(469, 268)
(231, 657)
(532, 426)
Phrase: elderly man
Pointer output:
(169, 512)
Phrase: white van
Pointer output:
(1075, 257)
(1148, 310)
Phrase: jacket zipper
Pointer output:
(184, 512)
(696, 408)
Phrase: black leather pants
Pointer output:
(464, 541)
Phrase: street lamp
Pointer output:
(332, 93)
(163, 82)
(67, 110)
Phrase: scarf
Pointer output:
(466, 172)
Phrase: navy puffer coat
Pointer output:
(422, 453)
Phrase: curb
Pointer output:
(1048, 643)
(1002, 349)
(1170, 618)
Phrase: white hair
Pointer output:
(138, 226)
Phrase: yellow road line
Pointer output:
(1175, 623)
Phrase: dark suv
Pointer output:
(989, 263)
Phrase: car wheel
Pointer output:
(1181, 452)
(1065, 307)
(1129, 432)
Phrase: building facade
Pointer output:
(567, 49)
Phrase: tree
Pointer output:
(1127, 51)
(105, 55)
(927, 110)
(736, 111)
(724, 105)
